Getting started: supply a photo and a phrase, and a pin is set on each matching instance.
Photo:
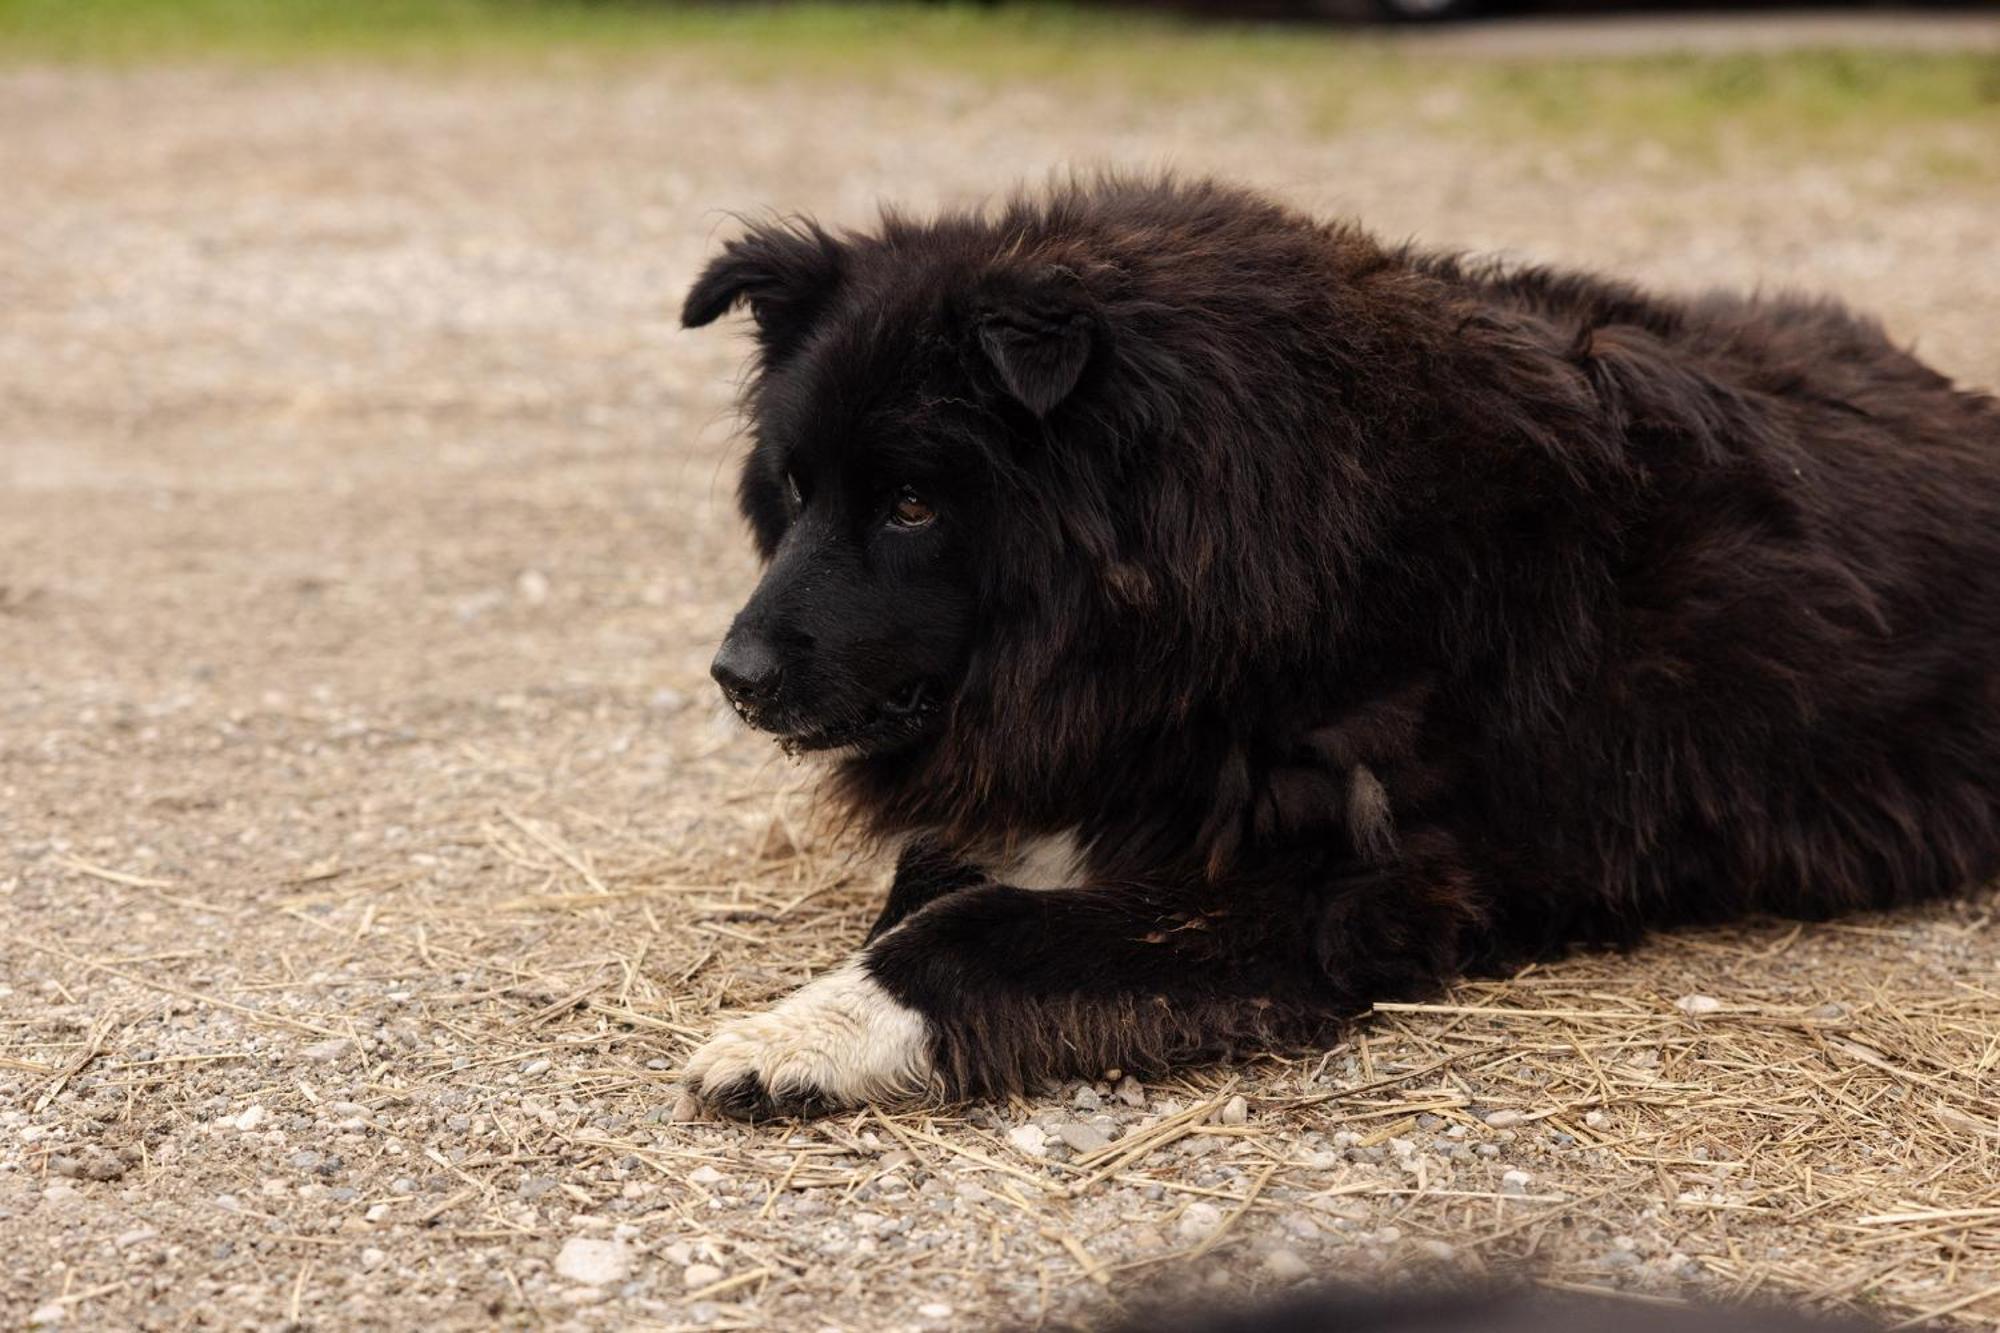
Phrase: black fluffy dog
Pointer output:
(1242, 621)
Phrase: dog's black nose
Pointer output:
(746, 669)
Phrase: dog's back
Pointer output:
(1801, 686)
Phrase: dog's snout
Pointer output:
(747, 669)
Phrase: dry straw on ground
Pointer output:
(373, 855)
(1777, 1110)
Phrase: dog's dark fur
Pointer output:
(1371, 616)
(1474, 1310)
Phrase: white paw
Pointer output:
(839, 1041)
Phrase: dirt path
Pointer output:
(371, 848)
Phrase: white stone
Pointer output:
(1697, 1004)
(593, 1262)
(1200, 1220)
(706, 1175)
(251, 1117)
(1235, 1111)
(1515, 1182)
(1505, 1119)
(1286, 1266)
(1030, 1139)
(696, 1276)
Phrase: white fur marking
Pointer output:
(1054, 862)
(841, 1035)
(1369, 817)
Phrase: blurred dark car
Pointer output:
(1425, 11)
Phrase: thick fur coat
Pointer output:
(1343, 617)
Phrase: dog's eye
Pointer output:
(792, 495)
(910, 511)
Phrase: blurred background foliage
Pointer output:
(1332, 76)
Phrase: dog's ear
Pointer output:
(1039, 333)
(785, 270)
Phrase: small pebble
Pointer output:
(1030, 1139)
(1697, 1004)
(696, 1276)
(1504, 1119)
(1235, 1111)
(1199, 1220)
(93, 1164)
(1082, 1138)
(1286, 1266)
(1515, 1182)
(593, 1262)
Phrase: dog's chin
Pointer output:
(899, 722)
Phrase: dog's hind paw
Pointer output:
(840, 1041)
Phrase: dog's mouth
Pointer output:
(900, 719)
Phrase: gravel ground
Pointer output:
(373, 848)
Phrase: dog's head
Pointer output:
(1037, 488)
(895, 384)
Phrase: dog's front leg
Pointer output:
(993, 988)
(926, 871)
